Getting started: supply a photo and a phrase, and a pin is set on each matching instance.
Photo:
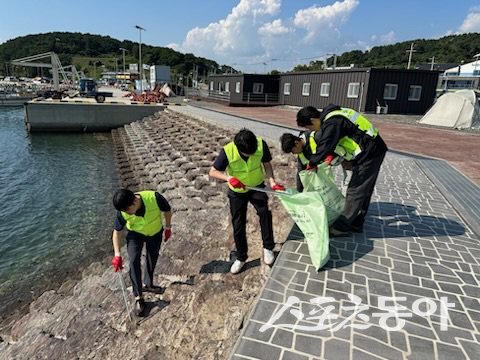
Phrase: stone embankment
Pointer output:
(201, 309)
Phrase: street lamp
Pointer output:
(123, 51)
(140, 56)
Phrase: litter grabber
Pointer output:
(271, 192)
(124, 292)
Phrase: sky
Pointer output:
(249, 35)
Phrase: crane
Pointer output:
(54, 64)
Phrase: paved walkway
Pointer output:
(421, 245)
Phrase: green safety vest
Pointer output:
(149, 224)
(347, 147)
(313, 147)
(249, 172)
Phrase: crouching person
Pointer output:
(243, 163)
(147, 216)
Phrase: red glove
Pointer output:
(117, 263)
(237, 184)
(314, 168)
(167, 233)
(278, 187)
(329, 159)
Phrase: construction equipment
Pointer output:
(55, 65)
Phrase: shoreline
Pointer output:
(172, 154)
(59, 283)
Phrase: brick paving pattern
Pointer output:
(420, 244)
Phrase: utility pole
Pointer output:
(433, 63)
(140, 29)
(411, 51)
(123, 51)
(475, 66)
(334, 60)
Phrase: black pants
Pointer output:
(134, 248)
(238, 210)
(359, 193)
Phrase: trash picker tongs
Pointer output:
(124, 292)
(271, 192)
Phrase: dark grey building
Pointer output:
(364, 89)
(245, 89)
(394, 91)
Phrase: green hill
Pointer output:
(89, 52)
(448, 49)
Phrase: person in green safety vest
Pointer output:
(147, 215)
(245, 163)
(303, 146)
(350, 135)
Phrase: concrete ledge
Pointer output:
(57, 116)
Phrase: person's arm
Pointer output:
(269, 173)
(117, 242)
(168, 219)
(219, 166)
(327, 140)
(300, 167)
(267, 165)
(217, 174)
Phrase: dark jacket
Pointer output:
(337, 127)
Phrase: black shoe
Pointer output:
(337, 233)
(153, 289)
(356, 229)
(140, 307)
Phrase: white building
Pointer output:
(464, 76)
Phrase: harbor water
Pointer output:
(56, 213)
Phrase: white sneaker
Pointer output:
(237, 266)
(268, 256)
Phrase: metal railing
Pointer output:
(267, 98)
(247, 97)
(219, 95)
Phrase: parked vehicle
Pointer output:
(88, 88)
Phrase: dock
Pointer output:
(85, 115)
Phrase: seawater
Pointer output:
(56, 213)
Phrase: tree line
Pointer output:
(454, 49)
(87, 51)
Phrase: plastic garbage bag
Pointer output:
(315, 209)
(310, 215)
(322, 182)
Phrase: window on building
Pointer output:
(325, 89)
(227, 86)
(237, 87)
(286, 89)
(221, 86)
(211, 85)
(390, 91)
(476, 72)
(306, 89)
(257, 88)
(414, 93)
(353, 89)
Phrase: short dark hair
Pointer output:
(122, 199)
(288, 142)
(246, 141)
(305, 114)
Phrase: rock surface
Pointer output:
(201, 309)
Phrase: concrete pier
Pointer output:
(82, 116)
